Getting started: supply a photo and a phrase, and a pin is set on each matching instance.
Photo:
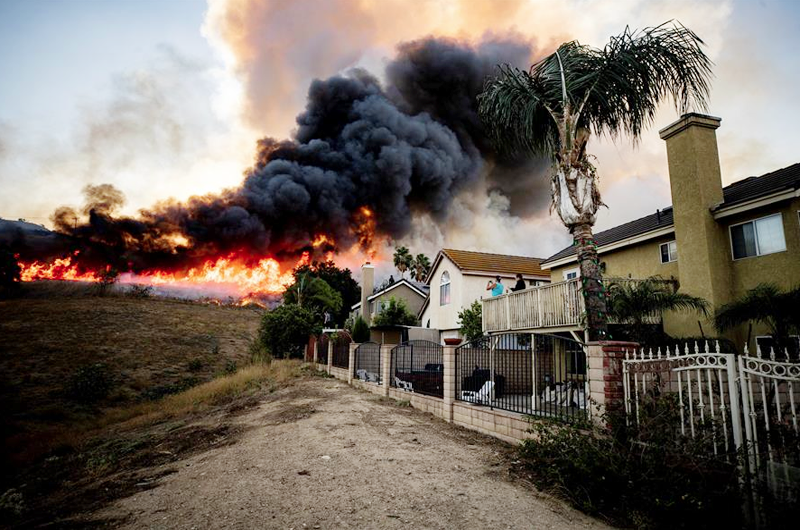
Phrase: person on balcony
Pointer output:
(495, 286)
(520, 285)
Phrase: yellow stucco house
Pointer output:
(715, 242)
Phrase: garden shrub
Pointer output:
(285, 330)
(646, 477)
(90, 383)
(360, 331)
(140, 291)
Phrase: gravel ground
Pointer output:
(325, 455)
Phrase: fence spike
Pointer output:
(758, 350)
(772, 353)
(696, 347)
(746, 349)
(686, 348)
(716, 346)
(658, 355)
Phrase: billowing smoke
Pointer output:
(402, 150)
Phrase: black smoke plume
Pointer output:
(404, 149)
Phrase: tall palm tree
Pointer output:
(552, 109)
(403, 260)
(421, 267)
(638, 303)
(765, 304)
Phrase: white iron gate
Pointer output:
(749, 403)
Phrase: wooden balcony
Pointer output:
(553, 307)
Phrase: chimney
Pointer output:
(367, 284)
(704, 261)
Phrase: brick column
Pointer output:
(316, 354)
(330, 354)
(449, 386)
(605, 373)
(386, 369)
(351, 364)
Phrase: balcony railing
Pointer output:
(555, 306)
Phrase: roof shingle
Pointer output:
(495, 263)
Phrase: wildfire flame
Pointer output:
(365, 230)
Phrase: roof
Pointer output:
(419, 288)
(744, 190)
(467, 260)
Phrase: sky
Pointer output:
(165, 99)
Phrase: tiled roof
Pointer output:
(495, 263)
(749, 188)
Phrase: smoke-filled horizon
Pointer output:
(365, 157)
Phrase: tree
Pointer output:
(765, 304)
(636, 303)
(395, 313)
(360, 330)
(106, 279)
(403, 260)
(9, 272)
(341, 280)
(313, 294)
(422, 265)
(471, 321)
(285, 330)
(553, 109)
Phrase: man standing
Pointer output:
(520, 285)
(495, 286)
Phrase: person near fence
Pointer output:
(495, 286)
(520, 285)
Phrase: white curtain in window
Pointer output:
(770, 235)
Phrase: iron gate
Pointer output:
(341, 350)
(367, 366)
(322, 349)
(418, 366)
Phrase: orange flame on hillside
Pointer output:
(59, 269)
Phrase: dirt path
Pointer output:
(325, 455)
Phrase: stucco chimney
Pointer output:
(367, 284)
(704, 261)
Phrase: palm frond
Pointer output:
(761, 304)
(633, 302)
(623, 84)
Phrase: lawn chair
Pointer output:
(403, 385)
(484, 395)
(362, 374)
(372, 377)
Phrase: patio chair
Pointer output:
(362, 374)
(403, 385)
(484, 395)
(372, 377)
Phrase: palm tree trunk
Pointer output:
(594, 295)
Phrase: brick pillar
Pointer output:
(386, 369)
(330, 354)
(605, 373)
(351, 364)
(449, 386)
(316, 357)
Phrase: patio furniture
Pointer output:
(403, 385)
(362, 374)
(484, 395)
(479, 377)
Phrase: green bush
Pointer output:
(395, 313)
(90, 383)
(471, 321)
(285, 330)
(650, 477)
(360, 331)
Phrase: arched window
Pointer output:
(444, 289)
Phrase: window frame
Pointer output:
(576, 270)
(755, 232)
(442, 285)
(661, 255)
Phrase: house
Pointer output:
(715, 242)
(373, 300)
(459, 277)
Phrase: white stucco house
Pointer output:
(459, 277)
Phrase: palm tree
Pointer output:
(552, 109)
(403, 260)
(421, 267)
(638, 303)
(765, 304)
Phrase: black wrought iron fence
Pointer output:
(341, 351)
(367, 365)
(322, 349)
(539, 375)
(418, 366)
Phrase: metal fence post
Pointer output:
(449, 381)
(386, 369)
(351, 363)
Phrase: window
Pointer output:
(571, 274)
(444, 289)
(758, 237)
(669, 252)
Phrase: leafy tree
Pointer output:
(471, 321)
(422, 265)
(552, 110)
(341, 280)
(9, 272)
(360, 330)
(765, 304)
(636, 303)
(395, 313)
(285, 330)
(403, 260)
(313, 294)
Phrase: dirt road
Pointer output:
(324, 455)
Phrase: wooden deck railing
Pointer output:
(553, 306)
